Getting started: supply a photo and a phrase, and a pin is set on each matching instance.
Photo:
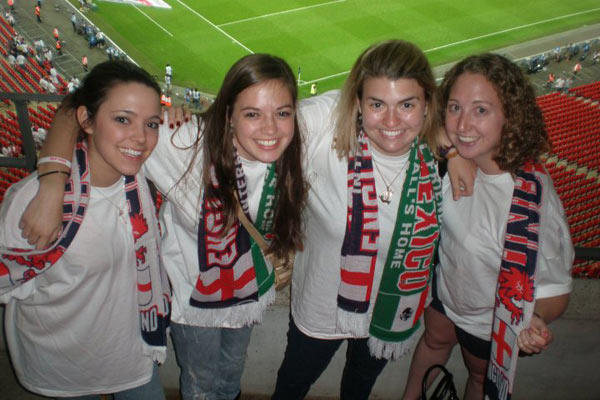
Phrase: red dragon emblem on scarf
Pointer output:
(139, 225)
(514, 285)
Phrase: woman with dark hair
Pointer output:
(506, 252)
(76, 326)
(244, 153)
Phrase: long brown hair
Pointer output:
(392, 59)
(524, 136)
(216, 141)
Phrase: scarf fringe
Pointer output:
(157, 353)
(231, 317)
(391, 350)
(355, 324)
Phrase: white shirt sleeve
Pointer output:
(556, 254)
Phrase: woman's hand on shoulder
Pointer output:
(462, 174)
(177, 116)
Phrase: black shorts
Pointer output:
(478, 347)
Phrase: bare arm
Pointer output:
(538, 336)
(41, 221)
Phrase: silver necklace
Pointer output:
(386, 196)
(119, 208)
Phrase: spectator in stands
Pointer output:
(38, 13)
(100, 39)
(196, 97)
(39, 45)
(74, 21)
(500, 270)
(253, 122)
(560, 84)
(54, 76)
(596, 57)
(21, 60)
(12, 61)
(9, 18)
(88, 282)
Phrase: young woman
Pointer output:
(372, 222)
(75, 323)
(506, 252)
(245, 148)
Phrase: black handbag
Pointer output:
(445, 389)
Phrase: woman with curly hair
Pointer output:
(506, 253)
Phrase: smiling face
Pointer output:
(123, 132)
(393, 113)
(474, 120)
(263, 121)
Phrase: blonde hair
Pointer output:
(392, 59)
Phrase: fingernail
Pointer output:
(187, 119)
(161, 121)
(178, 123)
(171, 126)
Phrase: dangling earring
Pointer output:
(359, 121)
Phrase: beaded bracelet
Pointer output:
(53, 172)
(55, 159)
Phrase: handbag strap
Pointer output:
(258, 238)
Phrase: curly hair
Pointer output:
(216, 144)
(392, 59)
(524, 136)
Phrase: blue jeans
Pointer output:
(211, 360)
(152, 390)
(306, 358)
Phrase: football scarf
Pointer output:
(404, 285)
(232, 268)
(516, 286)
(17, 266)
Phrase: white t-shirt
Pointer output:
(180, 217)
(471, 246)
(316, 276)
(74, 330)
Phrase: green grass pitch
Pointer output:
(202, 38)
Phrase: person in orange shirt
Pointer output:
(37, 11)
(84, 62)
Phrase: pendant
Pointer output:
(386, 196)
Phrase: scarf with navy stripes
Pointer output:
(402, 293)
(18, 266)
(516, 282)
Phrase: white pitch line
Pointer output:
(468, 40)
(280, 12)
(216, 27)
(513, 29)
(155, 23)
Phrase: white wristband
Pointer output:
(54, 159)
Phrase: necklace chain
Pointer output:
(387, 194)
(119, 208)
